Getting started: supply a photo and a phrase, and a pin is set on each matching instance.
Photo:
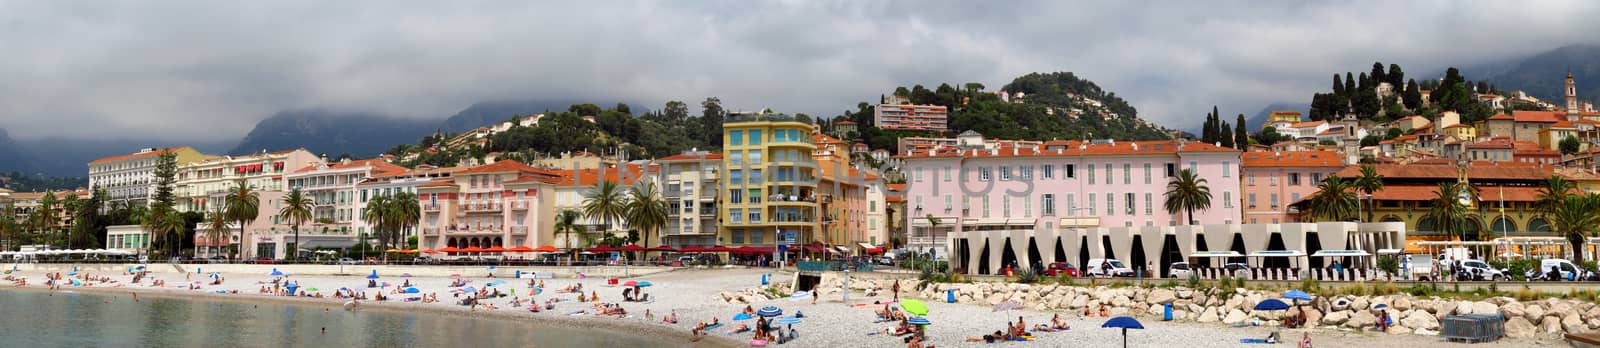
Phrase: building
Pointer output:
(844, 128)
(769, 194)
(1066, 184)
(1503, 203)
(928, 118)
(575, 186)
(849, 216)
(337, 205)
(691, 182)
(1272, 180)
(131, 178)
(1281, 119)
(1550, 137)
(504, 204)
(573, 160)
(968, 139)
(395, 182)
(24, 204)
(130, 238)
(203, 186)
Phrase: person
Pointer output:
(1104, 312)
(1105, 268)
(897, 290)
(581, 298)
(1305, 340)
(594, 296)
(761, 329)
(671, 318)
(1058, 323)
(1273, 337)
(749, 310)
(814, 296)
(989, 338)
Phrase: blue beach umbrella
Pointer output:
(800, 296)
(374, 274)
(1271, 304)
(1297, 295)
(275, 273)
(412, 290)
(741, 316)
(791, 321)
(769, 311)
(215, 275)
(1123, 323)
(469, 289)
(919, 321)
(643, 284)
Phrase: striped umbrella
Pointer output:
(769, 311)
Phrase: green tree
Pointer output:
(1226, 138)
(567, 224)
(405, 209)
(647, 210)
(377, 215)
(711, 115)
(169, 230)
(1576, 217)
(1552, 192)
(296, 210)
(1335, 200)
(1241, 134)
(1412, 96)
(47, 219)
(1448, 214)
(243, 203)
(1570, 145)
(1368, 183)
(1186, 193)
(1395, 77)
(216, 223)
(675, 111)
(605, 202)
(166, 173)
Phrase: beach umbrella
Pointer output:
(662, 248)
(1379, 306)
(1271, 304)
(915, 307)
(769, 311)
(1007, 306)
(497, 282)
(602, 249)
(472, 250)
(547, 249)
(412, 290)
(741, 316)
(374, 274)
(491, 267)
(429, 251)
(215, 275)
(1297, 295)
(800, 296)
(918, 321)
(630, 283)
(643, 284)
(495, 249)
(521, 249)
(792, 321)
(455, 275)
(631, 248)
(1123, 323)
(449, 250)
(275, 273)
(469, 289)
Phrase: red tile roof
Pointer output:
(1539, 116)
(1072, 149)
(687, 157)
(502, 167)
(1307, 124)
(590, 177)
(1293, 159)
(1501, 117)
(135, 155)
(1477, 170)
(845, 122)
(896, 187)
(1431, 192)
(376, 165)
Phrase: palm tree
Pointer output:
(1369, 181)
(47, 218)
(1552, 193)
(171, 228)
(377, 216)
(647, 210)
(243, 203)
(605, 201)
(69, 207)
(1336, 201)
(217, 226)
(1448, 214)
(1187, 193)
(567, 222)
(297, 211)
(1576, 216)
(406, 209)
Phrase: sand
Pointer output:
(693, 295)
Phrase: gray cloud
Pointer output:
(209, 70)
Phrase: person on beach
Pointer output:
(1305, 341)
(671, 318)
(897, 290)
(1058, 323)
(594, 296)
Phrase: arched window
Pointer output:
(1538, 225)
(1503, 225)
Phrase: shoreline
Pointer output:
(634, 328)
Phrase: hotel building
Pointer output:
(769, 194)
(203, 186)
(503, 204)
(1274, 180)
(131, 178)
(335, 214)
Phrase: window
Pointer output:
(1027, 206)
(1294, 197)
(1148, 206)
(983, 174)
(985, 206)
(755, 216)
(1294, 179)
(1005, 173)
(736, 215)
(1272, 180)
(1227, 169)
(1147, 173)
(755, 137)
(918, 175)
(1194, 167)
(1251, 179)
(1251, 201)
(1005, 205)
(1227, 199)
(1072, 204)
(1026, 172)
(735, 176)
(1273, 199)
(946, 174)
(1071, 170)
(919, 203)
(755, 196)
(1316, 178)
(738, 236)
(755, 177)
(1091, 173)
(947, 204)
(1108, 173)
(1093, 209)
(966, 205)
(1111, 204)
(1127, 174)
(872, 206)
(1047, 202)
(755, 156)
(735, 138)
(735, 196)
(1129, 198)
(1047, 171)
(757, 237)
(1171, 172)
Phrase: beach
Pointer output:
(693, 294)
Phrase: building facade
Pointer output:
(336, 213)
(690, 183)
(503, 204)
(769, 194)
(1274, 180)
(928, 118)
(203, 187)
(131, 178)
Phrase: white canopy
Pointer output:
(1390, 251)
(1216, 254)
(1340, 253)
(1277, 253)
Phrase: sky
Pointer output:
(209, 70)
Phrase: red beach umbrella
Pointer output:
(521, 249)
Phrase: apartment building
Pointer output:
(574, 188)
(690, 183)
(1272, 181)
(335, 214)
(769, 194)
(843, 197)
(394, 182)
(131, 178)
(203, 186)
(928, 118)
(498, 206)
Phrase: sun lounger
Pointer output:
(1253, 341)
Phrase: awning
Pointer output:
(1340, 253)
(841, 250)
(1277, 253)
(815, 248)
(1216, 254)
(1390, 251)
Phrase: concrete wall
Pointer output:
(383, 271)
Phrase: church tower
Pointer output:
(1352, 143)
(1572, 97)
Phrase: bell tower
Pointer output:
(1572, 97)
(1352, 143)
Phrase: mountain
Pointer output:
(490, 112)
(15, 157)
(68, 157)
(1254, 122)
(333, 133)
(1544, 75)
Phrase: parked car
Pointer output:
(1236, 269)
(1179, 270)
(216, 259)
(1059, 268)
(886, 261)
(1479, 270)
(347, 261)
(1097, 267)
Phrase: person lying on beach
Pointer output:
(1057, 323)
(989, 338)
(671, 318)
(742, 328)
(407, 283)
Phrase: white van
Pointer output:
(1568, 270)
(1117, 269)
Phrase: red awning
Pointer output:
(472, 250)
(815, 248)
(521, 249)
(631, 247)
(602, 249)
(495, 249)
(449, 250)
(662, 248)
(547, 249)
(874, 250)
(692, 249)
(429, 251)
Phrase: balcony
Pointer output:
(519, 229)
(430, 207)
(519, 205)
(430, 231)
(481, 207)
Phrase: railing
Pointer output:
(430, 231)
(519, 205)
(920, 241)
(430, 207)
(833, 266)
(519, 229)
(481, 207)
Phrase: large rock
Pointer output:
(1420, 320)
(1443, 308)
(1550, 325)
(1534, 312)
(1185, 293)
(1234, 317)
(1463, 308)
(1336, 318)
(1121, 301)
(1313, 316)
(1341, 304)
(1360, 304)
(1209, 315)
(1079, 302)
(1519, 327)
(1512, 310)
(1159, 311)
(1161, 296)
(1485, 308)
(1573, 324)
(1401, 303)
(1361, 319)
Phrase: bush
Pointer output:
(1027, 276)
(1388, 263)
(1310, 285)
(1063, 279)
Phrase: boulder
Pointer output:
(1336, 318)
(1341, 304)
(1550, 325)
(1159, 310)
(1313, 316)
(1534, 312)
(1121, 301)
(1573, 324)
(1234, 317)
(1512, 310)
(1079, 302)
(1399, 330)
(1463, 308)
(1361, 319)
(1485, 308)
(1161, 296)
(1401, 303)
(1425, 332)
(1209, 315)
(1185, 293)
(1420, 320)
(1360, 304)
(1443, 308)
(1519, 327)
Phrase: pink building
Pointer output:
(505, 204)
(1274, 180)
(1064, 184)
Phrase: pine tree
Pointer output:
(1241, 134)
(1395, 76)
(1377, 74)
(1338, 86)
(1227, 135)
(1412, 96)
(1349, 86)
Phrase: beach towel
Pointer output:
(1253, 341)
(576, 313)
(713, 326)
(758, 343)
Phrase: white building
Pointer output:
(203, 185)
(332, 190)
(131, 177)
(132, 238)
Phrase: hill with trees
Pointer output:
(1383, 94)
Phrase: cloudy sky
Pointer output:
(208, 70)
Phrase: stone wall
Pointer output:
(383, 270)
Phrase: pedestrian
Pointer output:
(897, 290)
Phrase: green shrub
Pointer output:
(1388, 263)
(1194, 280)
(1063, 279)
(1027, 276)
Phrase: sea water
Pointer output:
(66, 319)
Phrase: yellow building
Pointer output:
(1502, 206)
(1462, 132)
(769, 194)
(1550, 138)
(845, 193)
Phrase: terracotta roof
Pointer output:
(1491, 144)
(388, 174)
(686, 157)
(439, 183)
(1501, 117)
(1307, 124)
(1292, 159)
(591, 176)
(820, 138)
(1331, 131)
(1539, 116)
(503, 166)
(1153, 147)
(538, 179)
(135, 155)
(1564, 124)
(1587, 121)
(896, 187)
(894, 199)
(845, 122)
(376, 165)
(1486, 193)
(1477, 170)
